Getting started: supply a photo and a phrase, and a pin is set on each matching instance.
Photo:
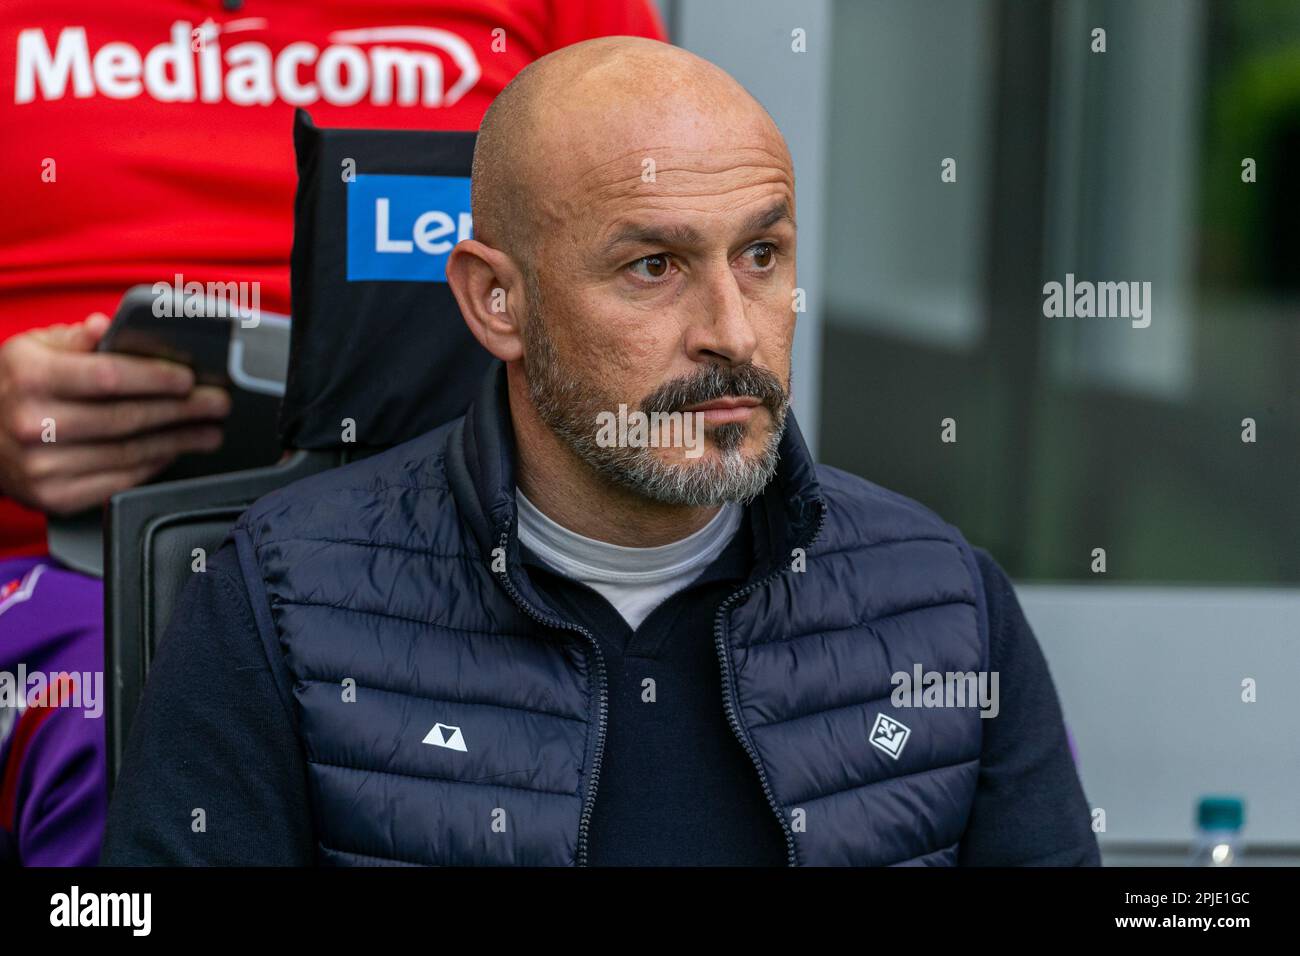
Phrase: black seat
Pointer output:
(374, 360)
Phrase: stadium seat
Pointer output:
(378, 355)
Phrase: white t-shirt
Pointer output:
(634, 580)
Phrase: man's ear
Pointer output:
(489, 289)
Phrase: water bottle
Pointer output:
(1218, 832)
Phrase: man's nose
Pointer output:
(721, 328)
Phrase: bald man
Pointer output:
(615, 615)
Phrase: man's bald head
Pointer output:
(588, 104)
(635, 205)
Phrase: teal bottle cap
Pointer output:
(1220, 813)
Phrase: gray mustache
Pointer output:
(714, 382)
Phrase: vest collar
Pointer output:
(481, 456)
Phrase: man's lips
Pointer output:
(721, 411)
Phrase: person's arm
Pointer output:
(52, 777)
(212, 733)
(60, 805)
(1029, 805)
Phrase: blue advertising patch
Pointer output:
(401, 228)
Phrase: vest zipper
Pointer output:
(602, 699)
(729, 695)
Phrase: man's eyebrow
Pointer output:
(768, 218)
(678, 235)
(686, 235)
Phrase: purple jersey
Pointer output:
(53, 777)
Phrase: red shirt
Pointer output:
(164, 127)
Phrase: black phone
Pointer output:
(219, 336)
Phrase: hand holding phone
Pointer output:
(78, 425)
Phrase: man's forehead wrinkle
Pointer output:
(621, 197)
(630, 164)
(672, 182)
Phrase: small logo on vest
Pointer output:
(889, 735)
(445, 735)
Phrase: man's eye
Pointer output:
(764, 254)
(651, 267)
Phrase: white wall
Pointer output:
(1150, 680)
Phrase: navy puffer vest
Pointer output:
(449, 716)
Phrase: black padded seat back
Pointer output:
(376, 341)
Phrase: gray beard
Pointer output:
(569, 408)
